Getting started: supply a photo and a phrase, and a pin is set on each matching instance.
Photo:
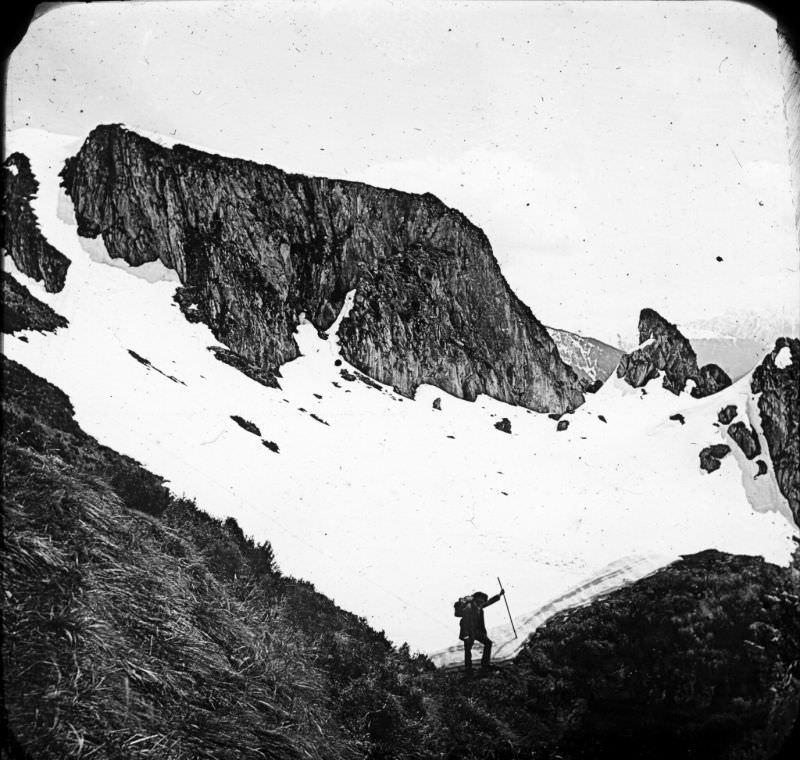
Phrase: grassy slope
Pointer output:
(137, 626)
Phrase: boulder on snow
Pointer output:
(250, 427)
(727, 414)
(746, 438)
(562, 425)
(711, 379)
(710, 456)
(437, 404)
(678, 417)
(762, 468)
(271, 445)
(504, 425)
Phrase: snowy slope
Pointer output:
(392, 508)
(590, 358)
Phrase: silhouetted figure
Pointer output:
(473, 628)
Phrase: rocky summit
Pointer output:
(664, 350)
(256, 249)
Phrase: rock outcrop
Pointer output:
(663, 349)
(710, 456)
(777, 379)
(22, 311)
(727, 414)
(22, 238)
(746, 439)
(255, 248)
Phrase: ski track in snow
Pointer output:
(393, 509)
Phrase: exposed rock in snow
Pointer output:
(779, 404)
(727, 414)
(437, 403)
(24, 242)
(663, 349)
(504, 425)
(255, 247)
(710, 456)
(250, 427)
(746, 438)
(562, 425)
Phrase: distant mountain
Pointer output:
(591, 359)
(737, 342)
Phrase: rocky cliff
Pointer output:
(256, 247)
(777, 379)
(22, 238)
(663, 349)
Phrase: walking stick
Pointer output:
(508, 610)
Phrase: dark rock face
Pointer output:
(779, 405)
(762, 468)
(504, 425)
(710, 456)
(437, 404)
(22, 311)
(22, 238)
(727, 414)
(668, 352)
(711, 379)
(746, 438)
(562, 425)
(255, 247)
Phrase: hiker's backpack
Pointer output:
(460, 607)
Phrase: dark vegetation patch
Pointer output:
(23, 311)
(250, 427)
(710, 456)
(147, 363)
(678, 418)
(232, 359)
(271, 445)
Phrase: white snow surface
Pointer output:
(393, 509)
(784, 358)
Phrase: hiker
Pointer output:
(470, 610)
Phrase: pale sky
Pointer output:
(611, 151)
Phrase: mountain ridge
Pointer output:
(255, 248)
